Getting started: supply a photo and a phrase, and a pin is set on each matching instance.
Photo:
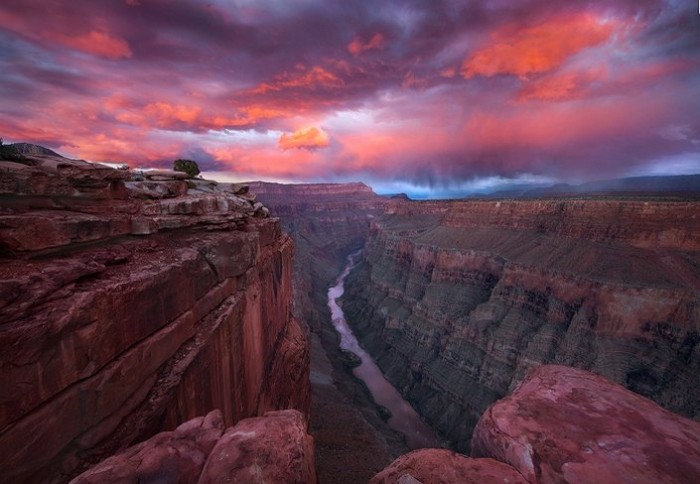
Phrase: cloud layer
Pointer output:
(431, 94)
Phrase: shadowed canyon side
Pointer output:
(458, 300)
(328, 222)
(131, 302)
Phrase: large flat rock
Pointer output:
(568, 425)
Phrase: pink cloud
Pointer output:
(357, 46)
(524, 51)
(306, 138)
(300, 78)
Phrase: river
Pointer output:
(403, 417)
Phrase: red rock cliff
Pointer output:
(458, 300)
(130, 303)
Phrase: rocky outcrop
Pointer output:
(174, 456)
(271, 448)
(567, 425)
(458, 300)
(437, 466)
(129, 305)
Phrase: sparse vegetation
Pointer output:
(187, 166)
(10, 153)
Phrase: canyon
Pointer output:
(158, 327)
(458, 300)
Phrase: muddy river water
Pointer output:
(403, 417)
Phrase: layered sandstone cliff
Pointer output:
(130, 303)
(458, 300)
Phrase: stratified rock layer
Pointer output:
(567, 425)
(436, 466)
(129, 305)
(271, 448)
(456, 301)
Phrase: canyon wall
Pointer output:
(328, 222)
(131, 302)
(458, 300)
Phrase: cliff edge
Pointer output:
(131, 302)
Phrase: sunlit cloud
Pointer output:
(536, 49)
(435, 95)
(310, 138)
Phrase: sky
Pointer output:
(431, 98)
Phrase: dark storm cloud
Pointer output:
(431, 91)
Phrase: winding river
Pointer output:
(403, 417)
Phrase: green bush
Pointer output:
(187, 166)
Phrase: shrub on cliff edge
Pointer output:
(187, 166)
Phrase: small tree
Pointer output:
(187, 166)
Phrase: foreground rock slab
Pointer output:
(272, 448)
(438, 466)
(567, 425)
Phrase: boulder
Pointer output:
(563, 424)
(176, 456)
(272, 448)
(439, 466)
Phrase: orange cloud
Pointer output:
(357, 46)
(168, 113)
(541, 48)
(312, 78)
(306, 138)
(561, 87)
(98, 43)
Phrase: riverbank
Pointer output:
(348, 448)
(401, 416)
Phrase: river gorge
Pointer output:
(403, 418)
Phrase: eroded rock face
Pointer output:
(123, 314)
(437, 466)
(271, 448)
(458, 300)
(567, 425)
